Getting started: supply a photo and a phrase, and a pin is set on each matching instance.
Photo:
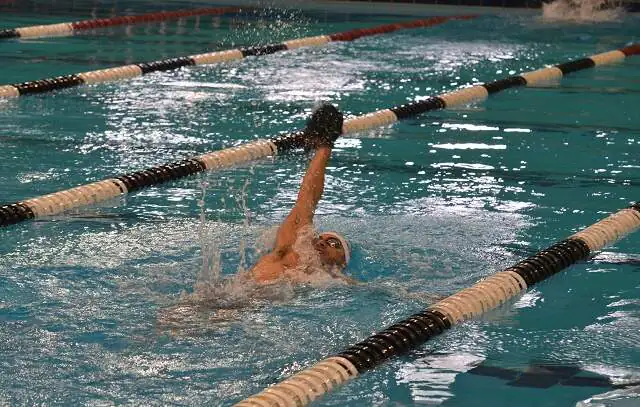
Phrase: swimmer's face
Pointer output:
(330, 250)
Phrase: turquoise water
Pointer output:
(90, 300)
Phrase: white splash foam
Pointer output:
(617, 398)
(582, 11)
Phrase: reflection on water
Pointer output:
(430, 378)
(627, 397)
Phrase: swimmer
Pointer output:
(288, 260)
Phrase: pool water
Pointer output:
(92, 303)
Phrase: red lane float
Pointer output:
(38, 31)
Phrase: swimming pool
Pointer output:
(88, 303)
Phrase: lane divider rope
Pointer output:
(59, 202)
(491, 292)
(50, 30)
(479, 93)
(135, 70)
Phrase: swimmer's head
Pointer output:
(333, 249)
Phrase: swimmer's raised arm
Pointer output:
(322, 130)
(307, 202)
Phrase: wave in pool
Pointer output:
(583, 11)
(628, 397)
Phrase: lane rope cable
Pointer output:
(61, 29)
(135, 70)
(58, 202)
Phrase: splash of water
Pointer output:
(217, 301)
(240, 290)
(210, 289)
(583, 11)
(241, 200)
(210, 252)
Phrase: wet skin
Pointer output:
(273, 265)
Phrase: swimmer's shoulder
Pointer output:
(272, 265)
(285, 255)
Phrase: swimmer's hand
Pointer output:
(324, 127)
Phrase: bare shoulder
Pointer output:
(272, 265)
